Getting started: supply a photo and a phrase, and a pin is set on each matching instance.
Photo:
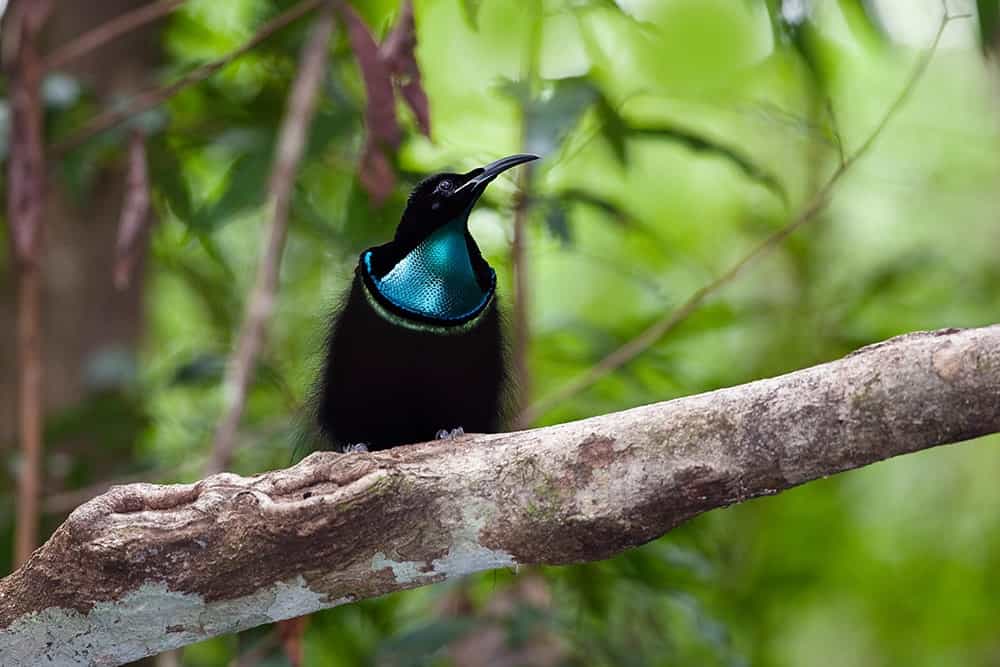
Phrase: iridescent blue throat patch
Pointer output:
(436, 279)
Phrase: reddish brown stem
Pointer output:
(109, 31)
(29, 344)
(136, 212)
(25, 202)
(521, 327)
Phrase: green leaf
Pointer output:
(213, 287)
(988, 12)
(862, 19)
(799, 35)
(208, 368)
(613, 128)
(470, 10)
(245, 189)
(214, 252)
(328, 125)
(548, 120)
(702, 144)
(112, 417)
(577, 196)
(519, 90)
(781, 30)
(309, 220)
(167, 179)
(414, 648)
(557, 222)
(81, 168)
(205, 369)
(791, 29)
(549, 117)
(361, 224)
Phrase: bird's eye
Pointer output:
(446, 186)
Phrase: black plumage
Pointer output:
(417, 346)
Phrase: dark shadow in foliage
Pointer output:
(988, 12)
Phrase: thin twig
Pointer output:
(25, 217)
(649, 337)
(29, 345)
(519, 261)
(291, 144)
(157, 96)
(108, 31)
(521, 326)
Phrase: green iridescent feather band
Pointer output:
(416, 325)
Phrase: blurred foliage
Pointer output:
(677, 134)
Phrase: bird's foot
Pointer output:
(356, 448)
(445, 434)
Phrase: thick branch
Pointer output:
(146, 568)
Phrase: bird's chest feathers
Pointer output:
(436, 278)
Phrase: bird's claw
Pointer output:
(445, 434)
(356, 448)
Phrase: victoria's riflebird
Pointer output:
(416, 350)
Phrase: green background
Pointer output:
(677, 134)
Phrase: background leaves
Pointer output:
(676, 135)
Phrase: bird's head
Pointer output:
(444, 198)
(432, 270)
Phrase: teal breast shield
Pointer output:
(436, 278)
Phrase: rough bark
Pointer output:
(146, 568)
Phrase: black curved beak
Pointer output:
(484, 175)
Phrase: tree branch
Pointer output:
(109, 31)
(146, 568)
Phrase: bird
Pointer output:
(416, 350)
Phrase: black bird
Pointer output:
(416, 351)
